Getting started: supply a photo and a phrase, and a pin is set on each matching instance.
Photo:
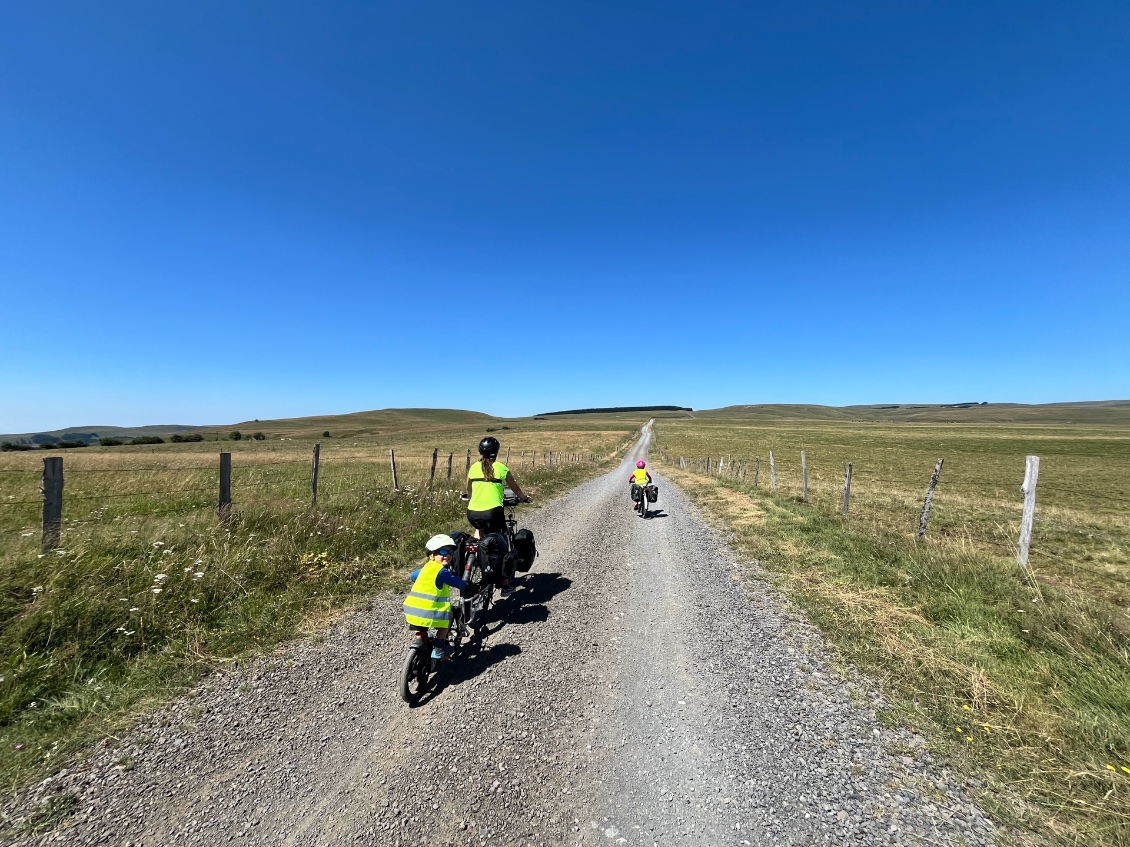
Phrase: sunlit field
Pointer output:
(148, 588)
(1022, 676)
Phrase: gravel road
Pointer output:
(642, 687)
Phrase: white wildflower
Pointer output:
(158, 590)
(161, 576)
(134, 608)
(198, 574)
(158, 543)
(194, 600)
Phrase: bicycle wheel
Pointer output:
(413, 676)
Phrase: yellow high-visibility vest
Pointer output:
(486, 494)
(425, 604)
(639, 476)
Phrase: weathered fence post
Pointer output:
(756, 470)
(223, 505)
(435, 457)
(721, 461)
(392, 462)
(507, 461)
(314, 475)
(1031, 472)
(847, 489)
(468, 468)
(772, 473)
(450, 457)
(52, 501)
(803, 477)
(929, 499)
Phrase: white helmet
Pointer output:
(438, 542)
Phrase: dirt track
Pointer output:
(640, 688)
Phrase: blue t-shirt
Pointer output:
(444, 577)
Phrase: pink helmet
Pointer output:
(641, 464)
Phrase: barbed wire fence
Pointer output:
(748, 471)
(293, 480)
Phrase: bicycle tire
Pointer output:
(413, 677)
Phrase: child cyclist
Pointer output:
(640, 476)
(428, 604)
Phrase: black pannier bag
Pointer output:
(637, 493)
(459, 557)
(526, 550)
(652, 493)
(492, 556)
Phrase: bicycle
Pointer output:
(639, 500)
(419, 666)
(482, 578)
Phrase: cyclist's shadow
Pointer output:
(471, 660)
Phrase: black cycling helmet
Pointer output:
(489, 446)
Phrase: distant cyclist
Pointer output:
(428, 604)
(487, 480)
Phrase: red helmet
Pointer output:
(641, 464)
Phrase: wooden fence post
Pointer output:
(929, 499)
(1031, 472)
(435, 457)
(772, 473)
(756, 470)
(507, 462)
(847, 489)
(803, 478)
(223, 504)
(392, 461)
(450, 457)
(314, 475)
(468, 468)
(721, 460)
(52, 502)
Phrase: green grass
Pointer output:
(952, 628)
(148, 591)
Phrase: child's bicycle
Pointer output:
(642, 495)
(419, 666)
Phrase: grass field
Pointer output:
(1025, 685)
(148, 591)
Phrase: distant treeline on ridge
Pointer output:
(620, 409)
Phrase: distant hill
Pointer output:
(356, 423)
(91, 434)
(1099, 412)
(615, 409)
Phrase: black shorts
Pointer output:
(493, 520)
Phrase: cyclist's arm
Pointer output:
(513, 485)
(649, 479)
(446, 577)
(412, 576)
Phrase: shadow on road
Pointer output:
(469, 662)
(656, 513)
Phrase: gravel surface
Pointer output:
(641, 688)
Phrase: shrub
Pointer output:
(107, 441)
(8, 447)
(236, 436)
(147, 439)
(259, 436)
(63, 445)
(326, 434)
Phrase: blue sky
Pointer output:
(213, 211)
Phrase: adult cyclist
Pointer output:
(487, 480)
